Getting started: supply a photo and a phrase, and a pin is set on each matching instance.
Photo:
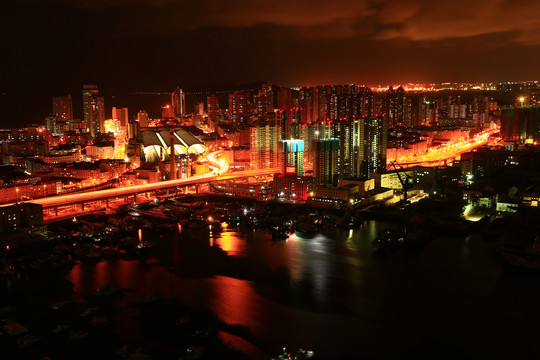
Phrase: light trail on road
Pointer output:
(218, 168)
(438, 155)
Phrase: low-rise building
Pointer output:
(391, 179)
(292, 187)
(26, 217)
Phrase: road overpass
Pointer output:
(218, 167)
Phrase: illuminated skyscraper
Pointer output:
(94, 109)
(88, 92)
(372, 145)
(121, 114)
(394, 104)
(292, 157)
(238, 107)
(178, 100)
(212, 109)
(265, 140)
(265, 101)
(63, 107)
(325, 164)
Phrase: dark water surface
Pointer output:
(329, 292)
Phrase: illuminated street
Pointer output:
(441, 154)
(269, 180)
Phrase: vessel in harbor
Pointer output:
(528, 256)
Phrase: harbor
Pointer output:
(192, 278)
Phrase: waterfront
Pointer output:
(328, 292)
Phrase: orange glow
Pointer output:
(140, 234)
(7, 247)
(452, 150)
(232, 298)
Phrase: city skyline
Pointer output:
(55, 46)
(186, 179)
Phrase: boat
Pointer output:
(14, 329)
(297, 355)
(98, 320)
(26, 341)
(521, 254)
(527, 259)
(60, 329)
(89, 311)
(78, 335)
(389, 240)
(105, 291)
(59, 305)
(147, 299)
(279, 233)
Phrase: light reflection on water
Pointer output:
(330, 274)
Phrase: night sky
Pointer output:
(54, 46)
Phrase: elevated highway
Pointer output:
(218, 167)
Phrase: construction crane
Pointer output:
(404, 183)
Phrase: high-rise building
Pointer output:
(284, 98)
(411, 110)
(239, 107)
(325, 163)
(521, 123)
(94, 109)
(63, 107)
(394, 106)
(178, 100)
(372, 145)
(292, 157)
(133, 129)
(351, 132)
(212, 109)
(142, 117)
(121, 114)
(198, 108)
(265, 146)
(88, 92)
(50, 123)
(265, 101)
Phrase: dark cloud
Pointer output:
(415, 20)
(296, 41)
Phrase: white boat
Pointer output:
(526, 259)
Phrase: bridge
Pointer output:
(218, 169)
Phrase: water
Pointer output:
(329, 292)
